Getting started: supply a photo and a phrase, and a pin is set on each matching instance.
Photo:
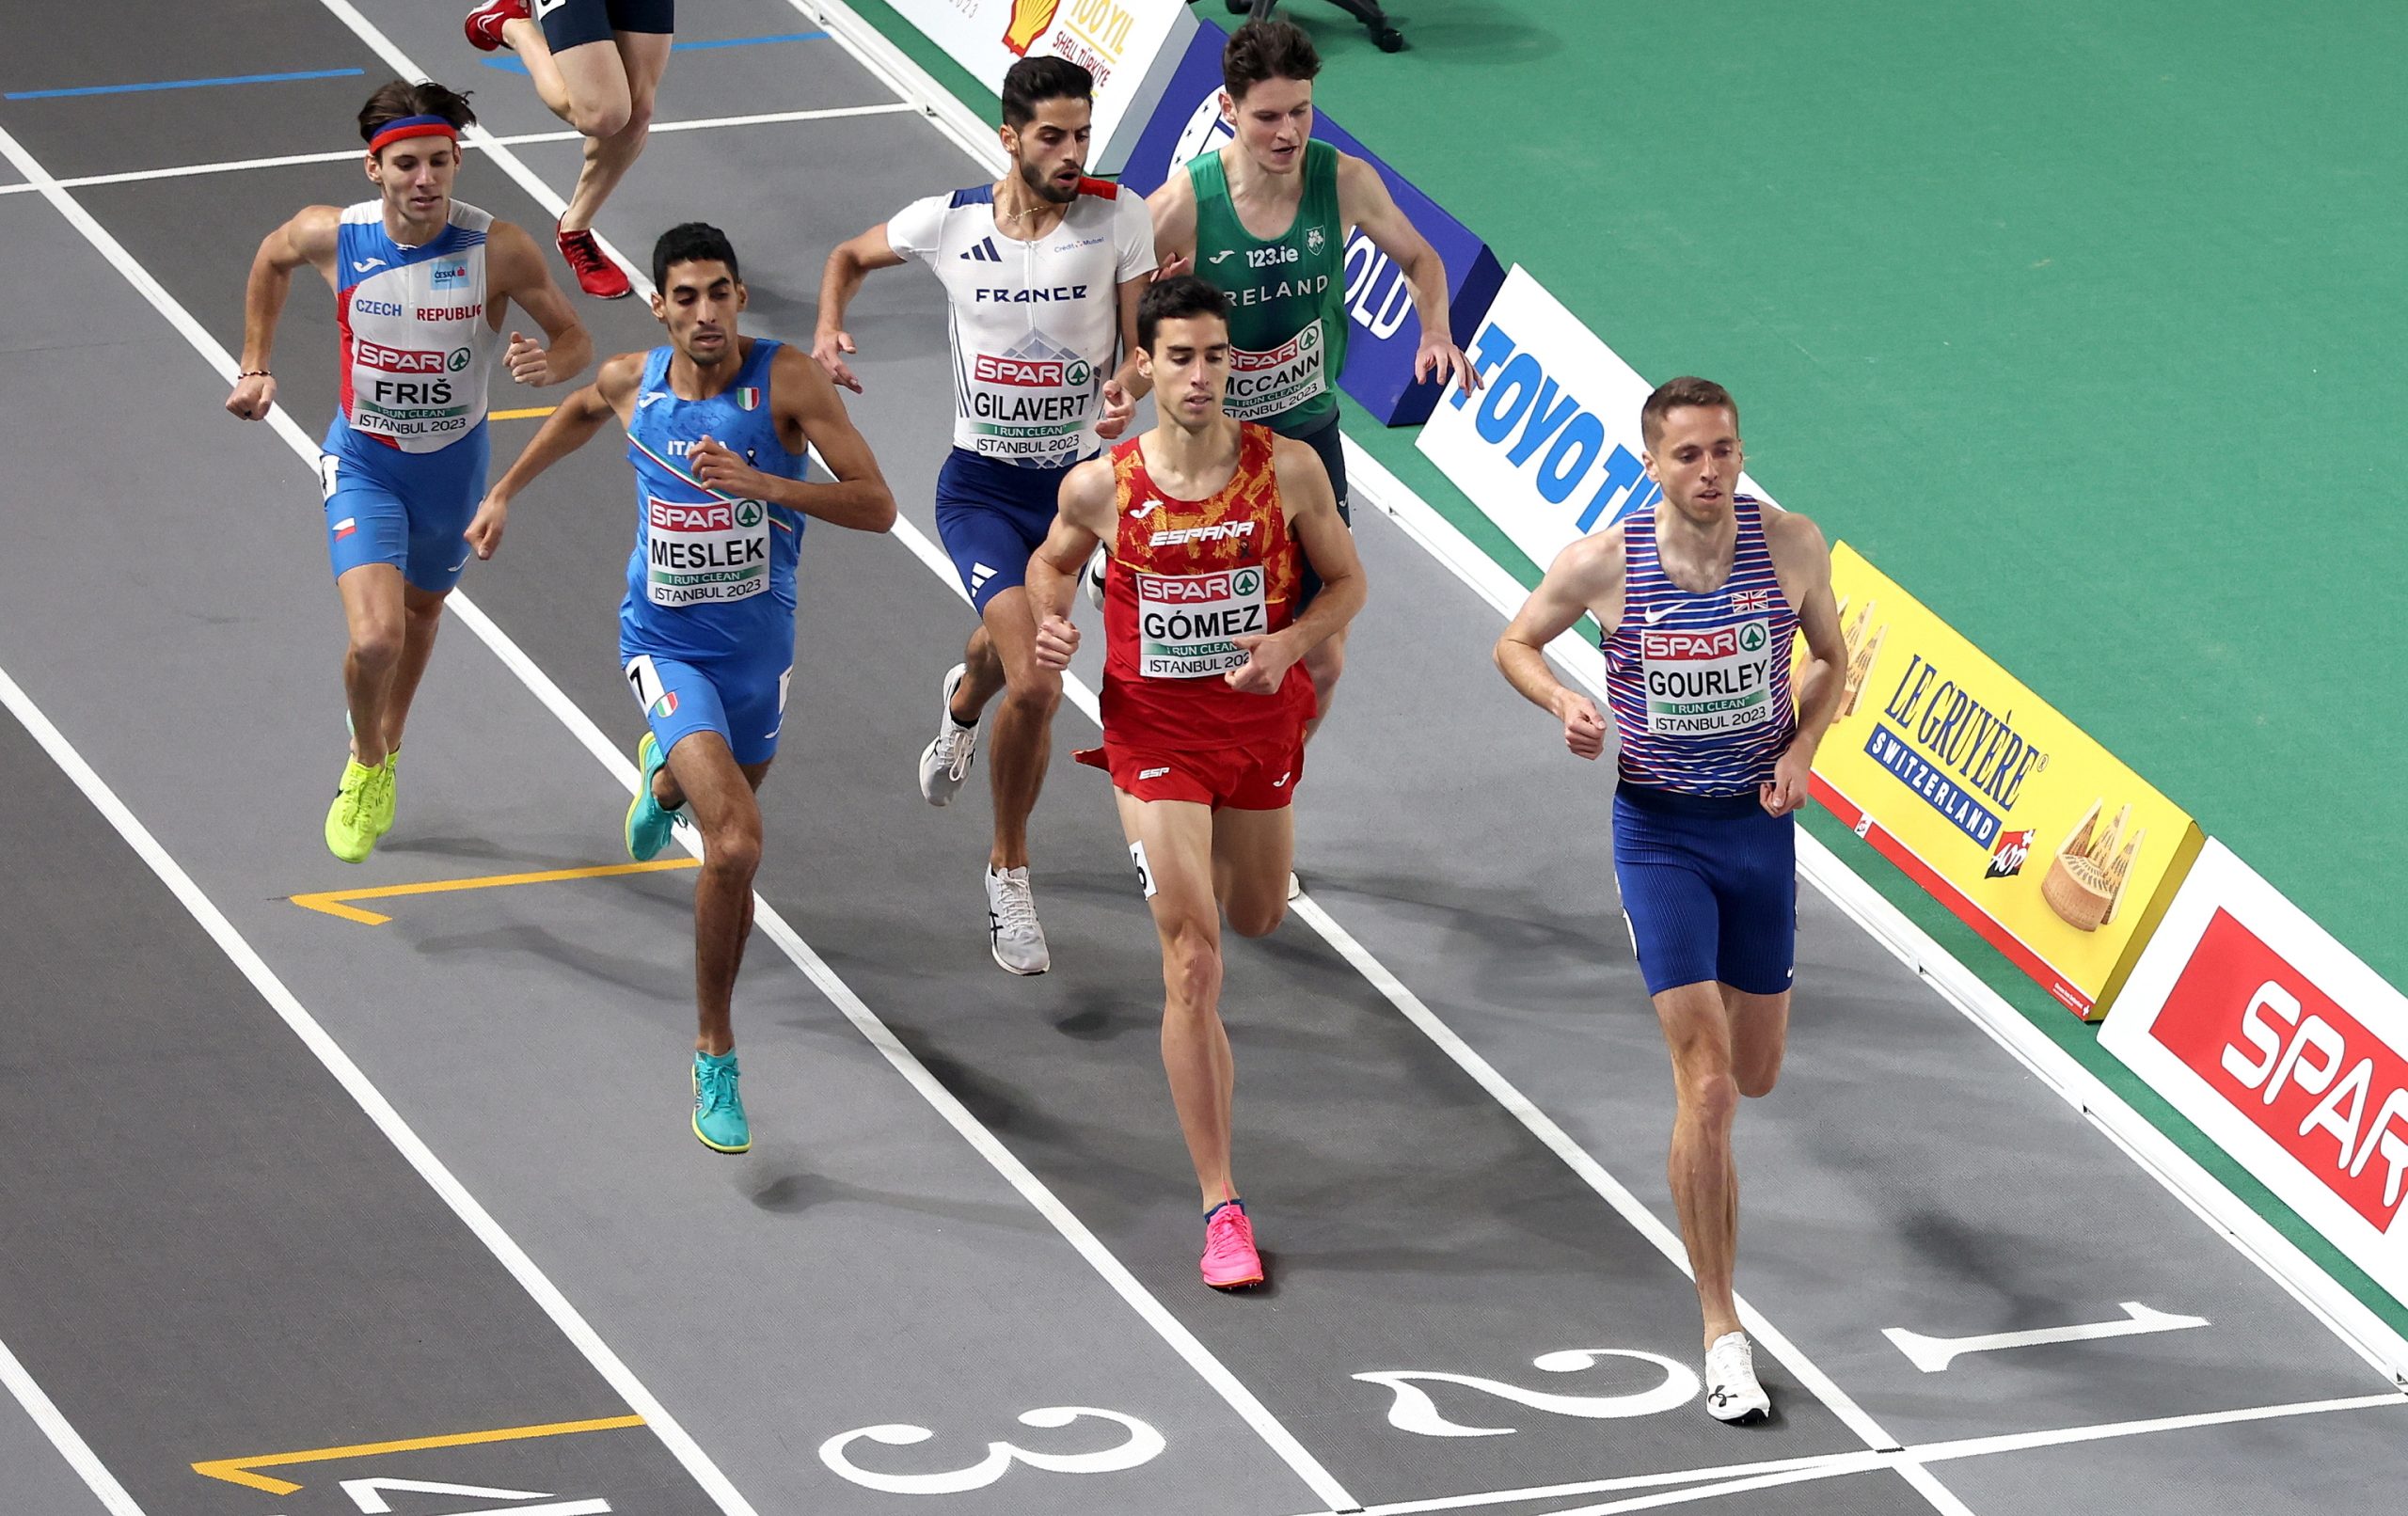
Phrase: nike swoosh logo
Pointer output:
(643, 400)
(359, 267)
(1656, 613)
(457, 567)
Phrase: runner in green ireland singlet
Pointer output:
(1265, 216)
(1286, 297)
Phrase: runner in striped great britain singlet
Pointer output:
(1264, 213)
(718, 426)
(420, 282)
(1210, 523)
(1700, 599)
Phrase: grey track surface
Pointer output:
(36, 1474)
(863, 1264)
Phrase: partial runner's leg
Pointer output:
(1175, 837)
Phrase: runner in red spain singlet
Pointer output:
(1194, 577)
(1209, 525)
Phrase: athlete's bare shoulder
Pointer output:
(1172, 207)
(1090, 494)
(311, 235)
(616, 381)
(1303, 479)
(1792, 539)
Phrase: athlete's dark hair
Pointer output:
(1673, 393)
(1177, 299)
(1032, 82)
(401, 100)
(1263, 49)
(693, 242)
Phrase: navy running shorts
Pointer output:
(1709, 887)
(569, 24)
(991, 517)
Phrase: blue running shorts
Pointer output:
(1709, 886)
(990, 516)
(743, 700)
(407, 509)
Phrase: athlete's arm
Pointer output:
(809, 413)
(519, 275)
(1364, 200)
(1803, 561)
(610, 397)
(1081, 517)
(309, 239)
(1173, 209)
(846, 267)
(1128, 384)
(1312, 507)
(1584, 580)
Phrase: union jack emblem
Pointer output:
(1751, 600)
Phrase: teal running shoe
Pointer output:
(719, 1111)
(648, 824)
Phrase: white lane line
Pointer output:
(2021, 1441)
(2258, 1240)
(61, 1432)
(345, 155)
(1718, 1477)
(1734, 1476)
(358, 1086)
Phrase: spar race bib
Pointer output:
(1710, 681)
(1186, 621)
(1273, 383)
(705, 551)
(1031, 407)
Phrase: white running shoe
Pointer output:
(945, 763)
(1295, 886)
(1016, 940)
(1091, 578)
(1732, 1393)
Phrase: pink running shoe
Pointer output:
(1230, 1259)
(483, 25)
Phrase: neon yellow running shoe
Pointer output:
(363, 809)
(388, 790)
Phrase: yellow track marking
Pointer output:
(332, 902)
(520, 416)
(239, 1470)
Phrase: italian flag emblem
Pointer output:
(666, 705)
(748, 396)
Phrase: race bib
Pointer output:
(1030, 409)
(1710, 681)
(1273, 383)
(1186, 621)
(705, 551)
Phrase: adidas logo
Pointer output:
(979, 575)
(984, 252)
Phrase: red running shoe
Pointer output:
(595, 274)
(483, 25)
(1230, 1259)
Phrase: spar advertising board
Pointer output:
(1130, 46)
(1380, 349)
(2008, 813)
(1549, 449)
(2285, 1049)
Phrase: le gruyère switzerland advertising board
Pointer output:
(2008, 813)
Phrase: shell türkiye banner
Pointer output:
(2009, 814)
